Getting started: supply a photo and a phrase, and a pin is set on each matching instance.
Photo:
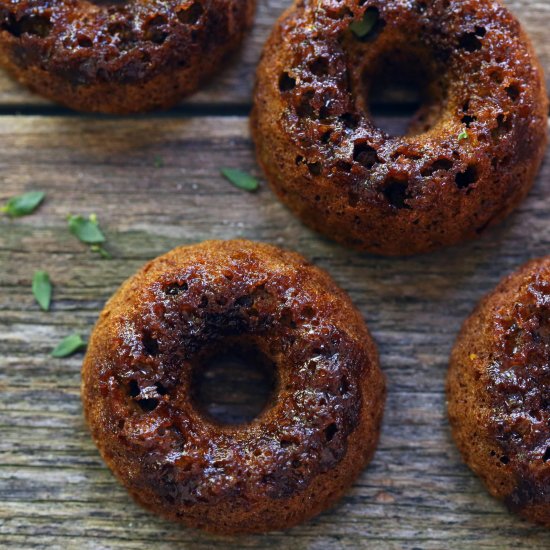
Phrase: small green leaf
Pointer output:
(240, 179)
(363, 27)
(159, 162)
(101, 251)
(42, 289)
(86, 230)
(463, 135)
(23, 205)
(69, 346)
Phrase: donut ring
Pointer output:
(119, 56)
(470, 155)
(499, 391)
(292, 461)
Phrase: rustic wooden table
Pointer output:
(154, 182)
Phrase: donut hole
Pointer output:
(468, 120)
(365, 155)
(145, 403)
(155, 29)
(84, 41)
(421, 7)
(330, 431)
(150, 344)
(396, 192)
(286, 82)
(405, 83)
(320, 66)
(497, 75)
(284, 442)
(343, 165)
(344, 385)
(325, 137)
(315, 168)
(468, 177)
(349, 120)
(133, 388)
(440, 165)
(191, 14)
(480, 31)
(513, 92)
(176, 288)
(470, 42)
(161, 389)
(149, 404)
(233, 383)
(35, 25)
(504, 125)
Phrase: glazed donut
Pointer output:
(470, 154)
(499, 391)
(300, 454)
(118, 56)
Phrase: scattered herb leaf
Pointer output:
(101, 251)
(86, 230)
(240, 179)
(23, 205)
(68, 346)
(463, 135)
(89, 232)
(42, 289)
(159, 162)
(363, 27)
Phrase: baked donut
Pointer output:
(471, 151)
(119, 56)
(499, 391)
(291, 462)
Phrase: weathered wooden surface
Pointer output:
(55, 491)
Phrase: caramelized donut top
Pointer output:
(518, 382)
(116, 40)
(196, 301)
(481, 83)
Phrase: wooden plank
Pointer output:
(55, 491)
(233, 86)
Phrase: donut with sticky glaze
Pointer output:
(470, 155)
(291, 462)
(116, 56)
(499, 391)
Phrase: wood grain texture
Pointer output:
(233, 86)
(54, 489)
(55, 492)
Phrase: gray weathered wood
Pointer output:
(54, 489)
(55, 492)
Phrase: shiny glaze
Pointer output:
(198, 301)
(519, 386)
(349, 179)
(87, 41)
